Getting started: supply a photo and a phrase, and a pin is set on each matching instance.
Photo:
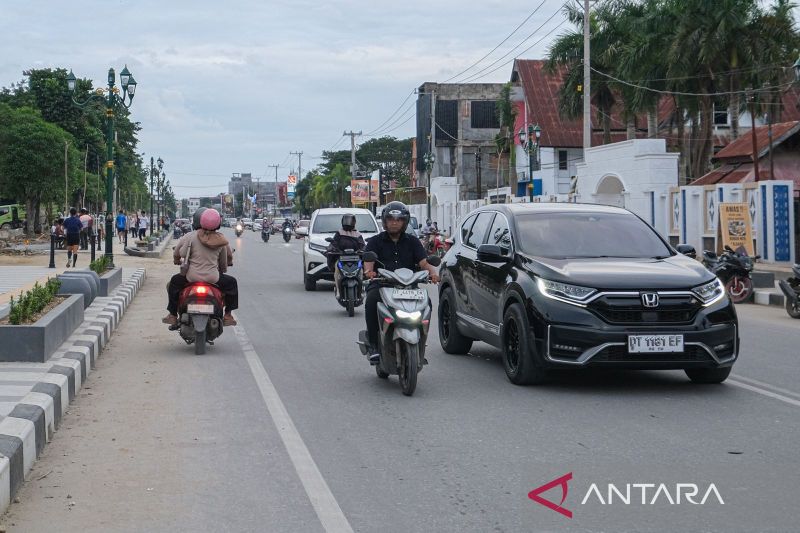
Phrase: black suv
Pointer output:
(579, 285)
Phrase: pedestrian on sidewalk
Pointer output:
(144, 222)
(132, 227)
(122, 222)
(85, 223)
(72, 228)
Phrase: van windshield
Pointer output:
(588, 235)
(333, 223)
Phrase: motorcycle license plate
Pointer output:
(200, 308)
(408, 294)
(655, 343)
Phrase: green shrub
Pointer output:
(31, 302)
(100, 265)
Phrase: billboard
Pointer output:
(291, 183)
(360, 191)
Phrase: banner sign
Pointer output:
(291, 182)
(360, 191)
(734, 227)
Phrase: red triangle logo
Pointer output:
(535, 494)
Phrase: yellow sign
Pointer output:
(734, 227)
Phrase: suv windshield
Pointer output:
(333, 223)
(585, 235)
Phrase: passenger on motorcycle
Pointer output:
(395, 249)
(347, 238)
(209, 257)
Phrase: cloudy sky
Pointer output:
(234, 86)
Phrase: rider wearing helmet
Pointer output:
(208, 260)
(347, 238)
(395, 249)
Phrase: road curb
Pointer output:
(33, 420)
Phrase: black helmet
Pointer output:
(196, 218)
(396, 210)
(348, 222)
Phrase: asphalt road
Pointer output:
(283, 426)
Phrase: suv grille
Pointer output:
(623, 309)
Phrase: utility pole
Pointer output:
(478, 169)
(752, 98)
(353, 135)
(276, 167)
(299, 164)
(587, 81)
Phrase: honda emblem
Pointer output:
(650, 299)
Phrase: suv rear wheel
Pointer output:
(450, 338)
(518, 348)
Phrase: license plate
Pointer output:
(655, 343)
(408, 294)
(200, 308)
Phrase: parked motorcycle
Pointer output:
(733, 269)
(350, 288)
(287, 234)
(200, 308)
(404, 312)
(791, 289)
(239, 229)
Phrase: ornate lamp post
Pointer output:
(530, 143)
(111, 97)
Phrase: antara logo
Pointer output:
(628, 494)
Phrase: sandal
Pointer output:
(228, 321)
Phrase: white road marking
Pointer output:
(765, 392)
(325, 505)
(766, 385)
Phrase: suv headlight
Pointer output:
(711, 292)
(571, 294)
(317, 247)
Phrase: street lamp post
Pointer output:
(430, 159)
(530, 143)
(154, 172)
(112, 98)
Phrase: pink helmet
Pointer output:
(210, 220)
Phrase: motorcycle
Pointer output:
(350, 289)
(177, 232)
(404, 312)
(435, 244)
(733, 269)
(200, 308)
(265, 234)
(239, 230)
(791, 289)
(287, 234)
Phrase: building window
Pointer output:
(484, 114)
(562, 160)
(720, 114)
(446, 122)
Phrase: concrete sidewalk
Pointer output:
(35, 396)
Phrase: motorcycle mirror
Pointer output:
(329, 239)
(687, 250)
(370, 257)
(434, 260)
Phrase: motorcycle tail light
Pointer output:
(202, 290)
(388, 320)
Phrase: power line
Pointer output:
(496, 61)
(499, 44)
(390, 116)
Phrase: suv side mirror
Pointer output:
(329, 239)
(687, 250)
(434, 260)
(492, 253)
(302, 231)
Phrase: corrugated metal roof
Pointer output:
(742, 148)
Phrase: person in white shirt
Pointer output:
(144, 222)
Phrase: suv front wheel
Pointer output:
(518, 348)
(450, 338)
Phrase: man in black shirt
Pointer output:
(395, 249)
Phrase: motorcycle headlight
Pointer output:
(413, 315)
(564, 292)
(239, 227)
(317, 247)
(710, 292)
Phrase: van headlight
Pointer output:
(564, 292)
(413, 315)
(711, 292)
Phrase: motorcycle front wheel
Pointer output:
(409, 366)
(739, 289)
